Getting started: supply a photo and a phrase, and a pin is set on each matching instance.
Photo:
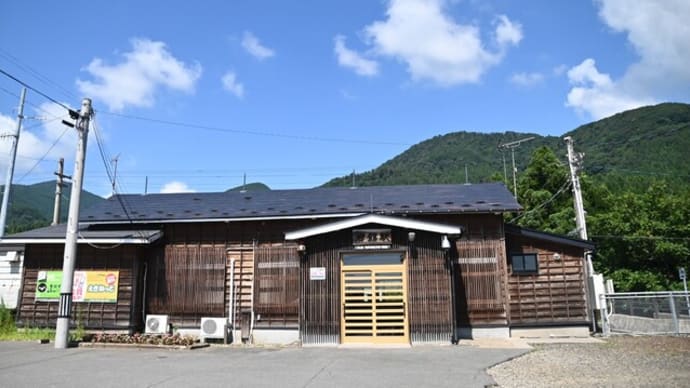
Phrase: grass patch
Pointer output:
(30, 334)
(9, 331)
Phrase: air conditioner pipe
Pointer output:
(231, 304)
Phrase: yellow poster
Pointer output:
(87, 286)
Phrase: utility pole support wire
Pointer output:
(70, 257)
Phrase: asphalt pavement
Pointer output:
(29, 364)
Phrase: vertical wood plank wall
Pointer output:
(556, 294)
(429, 294)
(481, 264)
(276, 286)
(320, 309)
(121, 315)
(188, 283)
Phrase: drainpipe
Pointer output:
(231, 304)
(451, 265)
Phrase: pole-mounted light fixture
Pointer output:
(445, 244)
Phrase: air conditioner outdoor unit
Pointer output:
(213, 327)
(156, 324)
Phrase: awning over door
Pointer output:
(353, 222)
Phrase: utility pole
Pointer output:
(58, 191)
(114, 161)
(575, 163)
(65, 307)
(512, 146)
(10, 167)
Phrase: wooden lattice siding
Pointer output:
(276, 287)
(122, 315)
(187, 283)
(243, 281)
(320, 307)
(482, 288)
(429, 295)
(556, 295)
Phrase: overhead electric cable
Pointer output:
(248, 132)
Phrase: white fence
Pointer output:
(646, 313)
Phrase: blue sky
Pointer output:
(193, 95)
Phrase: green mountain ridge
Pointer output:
(31, 206)
(648, 141)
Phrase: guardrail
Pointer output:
(665, 312)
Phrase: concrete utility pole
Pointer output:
(10, 167)
(575, 162)
(114, 161)
(512, 146)
(58, 191)
(70, 258)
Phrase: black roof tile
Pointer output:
(417, 199)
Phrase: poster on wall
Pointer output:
(87, 286)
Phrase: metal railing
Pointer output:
(665, 312)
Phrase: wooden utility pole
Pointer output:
(58, 191)
(10, 167)
(65, 306)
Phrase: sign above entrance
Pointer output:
(372, 238)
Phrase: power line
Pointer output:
(8, 75)
(564, 187)
(35, 73)
(248, 132)
(642, 237)
(44, 155)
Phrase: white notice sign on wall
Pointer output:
(317, 273)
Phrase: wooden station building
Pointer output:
(395, 264)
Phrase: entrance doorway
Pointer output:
(374, 298)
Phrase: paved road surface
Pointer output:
(34, 365)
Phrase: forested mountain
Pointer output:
(635, 180)
(31, 206)
(646, 142)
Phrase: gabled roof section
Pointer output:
(555, 238)
(373, 219)
(56, 235)
(305, 203)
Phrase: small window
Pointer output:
(524, 263)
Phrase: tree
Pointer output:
(543, 192)
(645, 233)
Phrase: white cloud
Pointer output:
(135, 80)
(658, 31)
(527, 79)
(351, 59)
(434, 47)
(254, 47)
(507, 32)
(230, 84)
(176, 187)
(596, 94)
(50, 140)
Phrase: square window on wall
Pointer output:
(524, 263)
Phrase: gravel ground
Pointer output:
(620, 362)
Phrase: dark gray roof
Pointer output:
(56, 233)
(555, 238)
(418, 199)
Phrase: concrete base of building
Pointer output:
(483, 332)
(275, 337)
(550, 332)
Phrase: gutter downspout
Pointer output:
(231, 304)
